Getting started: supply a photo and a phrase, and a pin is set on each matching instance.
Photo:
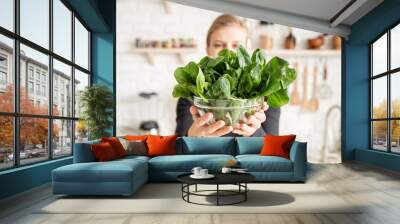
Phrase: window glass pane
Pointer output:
(395, 47)
(81, 45)
(62, 29)
(6, 75)
(34, 72)
(35, 21)
(62, 137)
(6, 142)
(62, 89)
(81, 131)
(379, 98)
(395, 94)
(7, 14)
(33, 139)
(395, 136)
(379, 55)
(81, 81)
(379, 135)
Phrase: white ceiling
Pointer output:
(325, 16)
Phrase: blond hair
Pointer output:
(224, 21)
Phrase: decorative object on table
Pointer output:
(316, 43)
(96, 102)
(295, 95)
(265, 38)
(200, 173)
(231, 163)
(290, 40)
(324, 89)
(230, 169)
(313, 103)
(240, 180)
(234, 84)
(336, 42)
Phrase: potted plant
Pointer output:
(234, 84)
(96, 102)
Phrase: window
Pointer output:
(385, 92)
(30, 88)
(35, 21)
(7, 14)
(46, 76)
(81, 45)
(6, 73)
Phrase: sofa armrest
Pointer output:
(83, 152)
(298, 155)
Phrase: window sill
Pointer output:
(26, 167)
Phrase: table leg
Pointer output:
(245, 193)
(217, 194)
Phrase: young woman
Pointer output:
(228, 32)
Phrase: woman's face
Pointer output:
(229, 37)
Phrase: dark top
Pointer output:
(184, 120)
(226, 178)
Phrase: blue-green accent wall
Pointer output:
(355, 86)
(100, 18)
(24, 178)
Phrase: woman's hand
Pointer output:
(251, 123)
(201, 128)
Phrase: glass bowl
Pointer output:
(232, 111)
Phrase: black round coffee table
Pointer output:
(238, 179)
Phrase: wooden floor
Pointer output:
(379, 189)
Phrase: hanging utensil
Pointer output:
(295, 95)
(325, 90)
(313, 103)
(304, 101)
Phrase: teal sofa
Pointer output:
(125, 176)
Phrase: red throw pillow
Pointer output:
(103, 151)
(277, 145)
(161, 145)
(136, 137)
(116, 145)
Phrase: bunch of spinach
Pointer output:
(236, 75)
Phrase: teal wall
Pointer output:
(355, 86)
(100, 17)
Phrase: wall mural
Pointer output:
(167, 50)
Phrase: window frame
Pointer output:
(16, 114)
(388, 74)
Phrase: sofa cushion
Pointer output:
(277, 145)
(161, 145)
(103, 152)
(112, 171)
(249, 145)
(185, 163)
(116, 145)
(257, 163)
(208, 145)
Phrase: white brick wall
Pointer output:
(149, 20)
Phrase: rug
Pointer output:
(166, 198)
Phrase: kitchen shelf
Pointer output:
(150, 52)
(303, 52)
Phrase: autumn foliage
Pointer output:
(33, 131)
(380, 127)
